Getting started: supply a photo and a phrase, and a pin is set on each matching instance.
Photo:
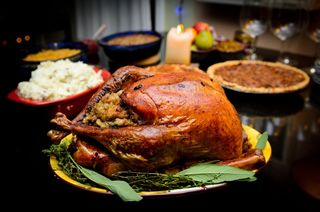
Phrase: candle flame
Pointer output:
(180, 28)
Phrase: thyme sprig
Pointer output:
(152, 181)
(87, 176)
(64, 161)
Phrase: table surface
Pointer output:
(290, 179)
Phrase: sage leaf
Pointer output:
(66, 141)
(118, 187)
(206, 172)
(262, 141)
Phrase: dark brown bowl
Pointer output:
(230, 50)
(199, 56)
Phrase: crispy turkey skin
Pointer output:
(150, 118)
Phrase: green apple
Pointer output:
(194, 47)
(204, 40)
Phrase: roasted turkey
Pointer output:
(146, 119)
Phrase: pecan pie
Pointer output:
(258, 76)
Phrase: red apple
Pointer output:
(200, 26)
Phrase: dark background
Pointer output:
(41, 21)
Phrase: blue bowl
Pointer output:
(130, 52)
(72, 45)
(26, 67)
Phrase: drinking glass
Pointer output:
(253, 21)
(287, 19)
(313, 31)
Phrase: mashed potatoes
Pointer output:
(56, 80)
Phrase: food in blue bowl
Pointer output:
(230, 50)
(131, 45)
(73, 45)
(73, 51)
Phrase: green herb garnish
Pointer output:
(119, 187)
(137, 87)
(62, 154)
(262, 141)
(127, 184)
(81, 174)
(214, 173)
(151, 181)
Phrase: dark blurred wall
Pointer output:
(28, 25)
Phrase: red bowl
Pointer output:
(70, 105)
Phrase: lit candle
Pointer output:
(178, 47)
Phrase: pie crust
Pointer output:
(258, 76)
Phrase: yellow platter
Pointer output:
(253, 136)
